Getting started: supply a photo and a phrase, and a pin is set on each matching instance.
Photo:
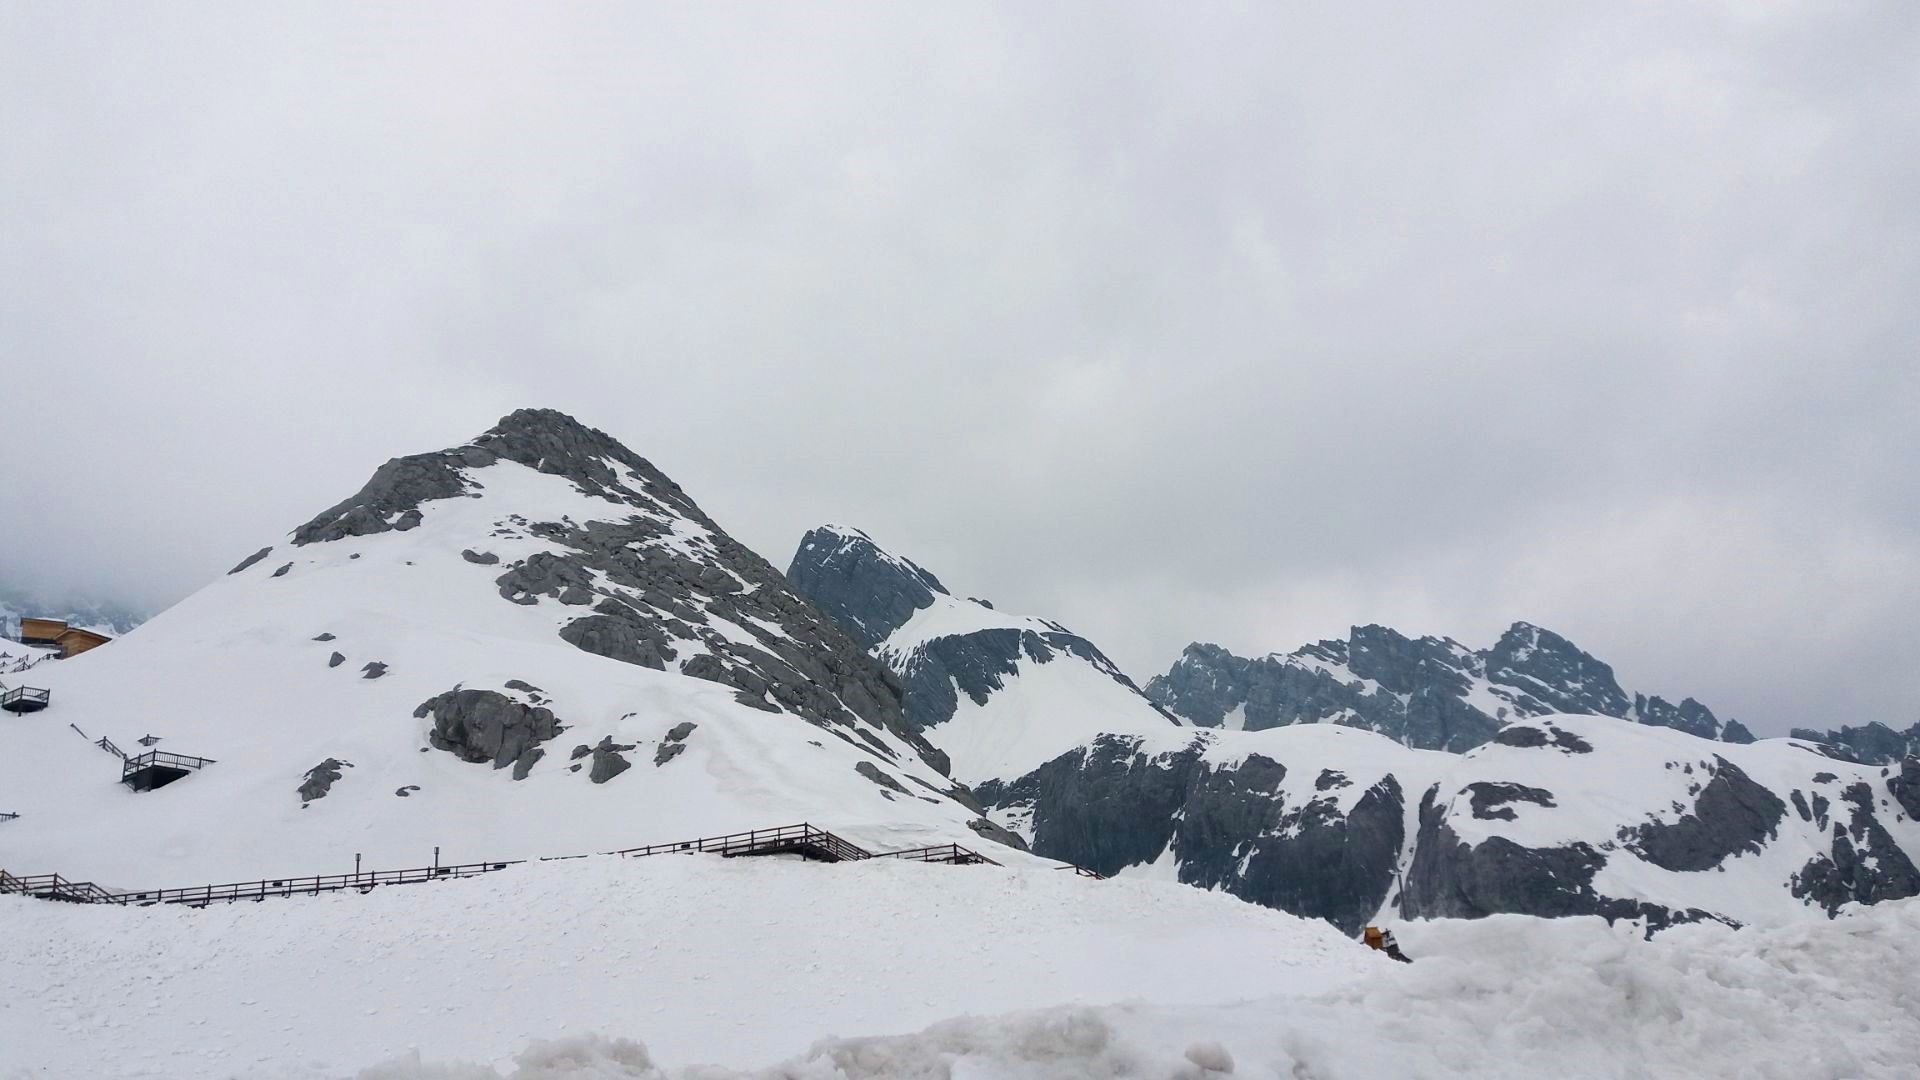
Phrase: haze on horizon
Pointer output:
(1237, 324)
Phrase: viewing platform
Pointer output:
(157, 769)
(24, 699)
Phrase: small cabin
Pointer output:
(70, 640)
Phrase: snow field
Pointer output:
(1505, 998)
(739, 963)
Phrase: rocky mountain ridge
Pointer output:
(1429, 693)
(1556, 815)
(944, 650)
(1384, 777)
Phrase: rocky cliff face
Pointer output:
(953, 656)
(867, 590)
(1429, 693)
(1555, 815)
(1870, 744)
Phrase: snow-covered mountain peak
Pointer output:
(998, 692)
(868, 590)
(1427, 692)
(400, 673)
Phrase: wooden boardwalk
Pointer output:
(804, 840)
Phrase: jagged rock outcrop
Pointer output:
(1870, 744)
(870, 592)
(1315, 850)
(320, 779)
(941, 648)
(1730, 815)
(488, 726)
(1865, 865)
(607, 760)
(1429, 693)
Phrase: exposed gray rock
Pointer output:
(866, 590)
(1544, 733)
(336, 660)
(623, 637)
(1731, 814)
(1865, 865)
(488, 726)
(988, 830)
(1871, 744)
(1451, 879)
(373, 670)
(251, 559)
(977, 665)
(406, 790)
(872, 772)
(523, 686)
(1548, 668)
(1905, 787)
(323, 637)
(390, 500)
(1109, 805)
(579, 752)
(1490, 799)
(871, 593)
(1416, 691)
(607, 762)
(319, 779)
(667, 752)
(487, 558)
(680, 731)
(282, 572)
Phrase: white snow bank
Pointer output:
(739, 962)
(1508, 996)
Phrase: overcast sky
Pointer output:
(1237, 323)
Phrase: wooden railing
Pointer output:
(25, 698)
(161, 758)
(803, 839)
(939, 853)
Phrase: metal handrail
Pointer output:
(157, 757)
(786, 838)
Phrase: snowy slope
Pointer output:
(790, 970)
(999, 693)
(456, 617)
(1559, 815)
(738, 962)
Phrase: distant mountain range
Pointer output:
(536, 643)
(1428, 693)
(1378, 776)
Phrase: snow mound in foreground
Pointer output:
(1508, 996)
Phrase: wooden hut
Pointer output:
(70, 640)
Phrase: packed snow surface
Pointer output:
(739, 962)
(770, 968)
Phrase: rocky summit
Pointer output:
(534, 643)
(997, 692)
(1430, 693)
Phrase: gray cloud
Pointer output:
(1241, 326)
